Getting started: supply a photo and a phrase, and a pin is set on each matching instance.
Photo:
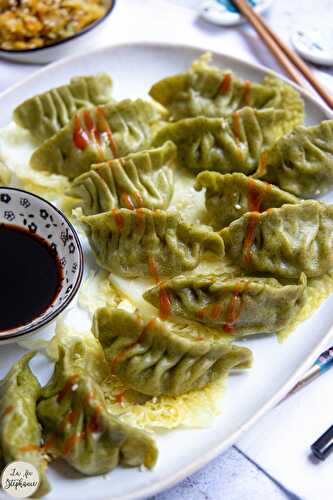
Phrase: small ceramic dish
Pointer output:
(224, 13)
(76, 43)
(314, 45)
(30, 212)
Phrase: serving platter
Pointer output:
(276, 366)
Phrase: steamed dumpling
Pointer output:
(44, 114)
(240, 306)
(20, 432)
(79, 429)
(143, 179)
(205, 90)
(157, 358)
(301, 162)
(284, 241)
(148, 243)
(229, 196)
(95, 135)
(231, 144)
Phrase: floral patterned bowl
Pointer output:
(40, 217)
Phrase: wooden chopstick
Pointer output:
(278, 48)
(276, 51)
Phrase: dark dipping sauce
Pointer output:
(30, 276)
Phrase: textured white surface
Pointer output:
(229, 477)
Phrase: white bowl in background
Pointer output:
(74, 44)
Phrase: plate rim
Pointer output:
(195, 465)
(314, 98)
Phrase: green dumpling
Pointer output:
(143, 242)
(143, 179)
(157, 358)
(20, 432)
(231, 144)
(44, 114)
(79, 429)
(95, 135)
(206, 90)
(239, 306)
(301, 162)
(229, 196)
(285, 241)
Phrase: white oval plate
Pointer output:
(276, 367)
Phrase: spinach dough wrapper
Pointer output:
(238, 306)
(156, 358)
(95, 135)
(301, 162)
(20, 432)
(143, 179)
(230, 196)
(79, 429)
(44, 114)
(149, 243)
(231, 144)
(205, 90)
(284, 241)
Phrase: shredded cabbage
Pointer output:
(318, 290)
(16, 147)
(5, 174)
(194, 409)
(98, 291)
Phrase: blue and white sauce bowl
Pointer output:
(31, 214)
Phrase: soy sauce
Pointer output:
(30, 276)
